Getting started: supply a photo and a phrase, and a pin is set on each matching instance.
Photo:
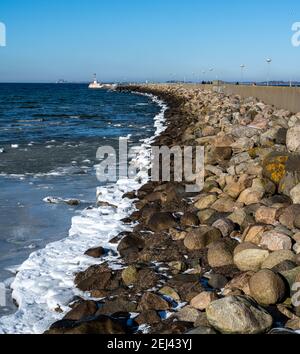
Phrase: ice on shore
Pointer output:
(44, 284)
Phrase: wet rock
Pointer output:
(99, 325)
(203, 300)
(199, 238)
(146, 279)
(96, 277)
(186, 285)
(82, 311)
(238, 315)
(97, 252)
(130, 275)
(161, 222)
(130, 246)
(266, 287)
(149, 317)
(151, 301)
(119, 304)
(169, 292)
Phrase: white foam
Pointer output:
(45, 282)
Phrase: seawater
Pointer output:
(50, 134)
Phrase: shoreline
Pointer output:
(87, 230)
(190, 263)
(194, 261)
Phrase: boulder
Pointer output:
(169, 292)
(293, 139)
(219, 255)
(188, 314)
(275, 241)
(130, 275)
(189, 219)
(240, 282)
(224, 205)
(161, 222)
(254, 234)
(266, 287)
(238, 315)
(96, 252)
(152, 301)
(295, 193)
(201, 330)
(289, 215)
(278, 257)
(100, 325)
(198, 238)
(226, 226)
(205, 201)
(149, 317)
(266, 215)
(82, 310)
(203, 300)
(250, 259)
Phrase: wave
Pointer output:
(44, 284)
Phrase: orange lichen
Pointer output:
(275, 168)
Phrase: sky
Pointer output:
(155, 40)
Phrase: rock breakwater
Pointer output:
(224, 260)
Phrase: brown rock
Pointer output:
(189, 219)
(224, 205)
(275, 241)
(200, 237)
(266, 287)
(219, 255)
(149, 317)
(250, 259)
(161, 222)
(95, 252)
(82, 310)
(266, 215)
(203, 300)
(152, 301)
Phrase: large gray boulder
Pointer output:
(238, 315)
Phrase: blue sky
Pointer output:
(147, 39)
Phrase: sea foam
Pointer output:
(44, 284)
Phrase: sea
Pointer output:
(49, 137)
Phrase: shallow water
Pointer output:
(55, 131)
